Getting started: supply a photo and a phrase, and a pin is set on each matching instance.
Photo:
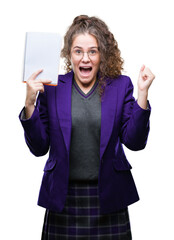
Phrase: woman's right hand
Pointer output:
(33, 87)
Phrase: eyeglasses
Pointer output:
(80, 54)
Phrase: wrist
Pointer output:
(29, 109)
(29, 106)
(142, 93)
(142, 99)
(28, 103)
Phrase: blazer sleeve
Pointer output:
(36, 129)
(135, 121)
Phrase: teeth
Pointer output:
(85, 66)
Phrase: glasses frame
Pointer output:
(81, 54)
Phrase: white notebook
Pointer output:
(42, 51)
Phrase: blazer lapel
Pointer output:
(63, 101)
(108, 112)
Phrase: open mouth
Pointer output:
(85, 70)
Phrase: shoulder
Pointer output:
(120, 81)
(62, 78)
(66, 77)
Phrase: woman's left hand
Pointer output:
(145, 79)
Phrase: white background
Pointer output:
(144, 31)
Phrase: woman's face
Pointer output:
(85, 59)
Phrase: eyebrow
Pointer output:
(81, 47)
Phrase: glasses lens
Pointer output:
(79, 53)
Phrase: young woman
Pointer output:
(87, 184)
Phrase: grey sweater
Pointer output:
(85, 136)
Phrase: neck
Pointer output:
(85, 87)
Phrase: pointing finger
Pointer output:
(35, 74)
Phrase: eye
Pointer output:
(92, 52)
(78, 51)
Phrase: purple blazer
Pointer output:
(122, 121)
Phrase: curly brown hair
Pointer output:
(111, 62)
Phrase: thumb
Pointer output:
(142, 68)
(45, 81)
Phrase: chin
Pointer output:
(87, 80)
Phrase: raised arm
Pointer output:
(135, 117)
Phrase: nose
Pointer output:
(85, 57)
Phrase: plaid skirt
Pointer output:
(81, 218)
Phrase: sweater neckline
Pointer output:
(79, 90)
